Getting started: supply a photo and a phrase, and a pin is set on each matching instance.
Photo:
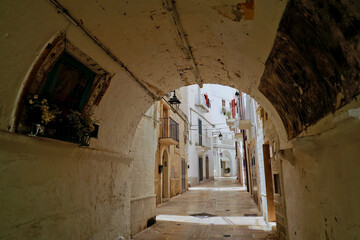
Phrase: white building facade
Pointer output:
(200, 154)
(224, 146)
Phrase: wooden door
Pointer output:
(165, 176)
(222, 168)
(254, 175)
(207, 168)
(183, 172)
(200, 169)
(269, 183)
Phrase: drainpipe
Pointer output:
(245, 163)
(242, 116)
(239, 163)
(237, 143)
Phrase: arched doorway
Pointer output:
(228, 163)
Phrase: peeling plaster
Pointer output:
(236, 12)
(319, 57)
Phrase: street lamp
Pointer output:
(174, 100)
(220, 136)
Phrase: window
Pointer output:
(64, 83)
(200, 131)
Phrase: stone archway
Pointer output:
(230, 162)
(308, 83)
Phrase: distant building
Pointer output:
(171, 154)
(225, 164)
(200, 154)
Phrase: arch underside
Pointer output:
(313, 68)
(297, 59)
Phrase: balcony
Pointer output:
(204, 145)
(169, 131)
(238, 137)
(224, 143)
(245, 124)
(203, 102)
(231, 122)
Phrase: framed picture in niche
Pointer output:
(59, 96)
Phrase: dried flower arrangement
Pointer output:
(48, 120)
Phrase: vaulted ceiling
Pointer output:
(300, 56)
(308, 62)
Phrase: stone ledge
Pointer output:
(142, 197)
(14, 139)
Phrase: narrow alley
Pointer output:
(220, 209)
(191, 119)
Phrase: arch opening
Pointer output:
(308, 83)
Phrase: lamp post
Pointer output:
(174, 100)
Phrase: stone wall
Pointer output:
(276, 167)
(56, 190)
(143, 199)
(174, 153)
(313, 67)
(260, 164)
(52, 189)
(322, 179)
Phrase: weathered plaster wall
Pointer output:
(259, 137)
(143, 199)
(175, 173)
(55, 190)
(181, 151)
(322, 180)
(270, 136)
(52, 189)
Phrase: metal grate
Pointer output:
(169, 128)
(251, 215)
(202, 215)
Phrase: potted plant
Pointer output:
(40, 113)
(228, 114)
(82, 125)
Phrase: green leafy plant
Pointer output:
(82, 123)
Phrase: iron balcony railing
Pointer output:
(169, 128)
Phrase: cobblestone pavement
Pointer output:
(219, 211)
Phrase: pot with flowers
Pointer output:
(82, 125)
(45, 119)
(40, 113)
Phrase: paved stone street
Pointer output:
(219, 211)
